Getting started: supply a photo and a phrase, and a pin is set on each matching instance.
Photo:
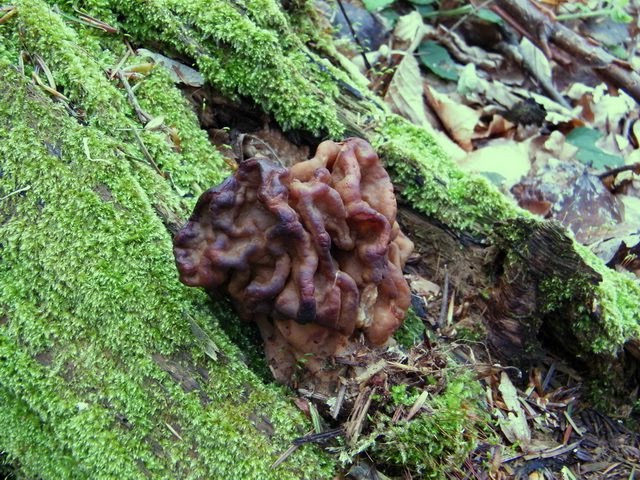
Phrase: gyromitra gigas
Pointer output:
(313, 254)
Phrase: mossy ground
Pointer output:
(436, 445)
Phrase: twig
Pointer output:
(634, 167)
(540, 28)
(20, 190)
(47, 88)
(353, 426)
(335, 411)
(319, 437)
(468, 14)
(580, 15)
(445, 299)
(419, 403)
(284, 456)
(548, 377)
(513, 52)
(146, 153)
(143, 116)
(173, 430)
(355, 36)
(10, 12)
(120, 64)
(88, 20)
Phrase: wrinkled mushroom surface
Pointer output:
(313, 253)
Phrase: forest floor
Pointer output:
(558, 137)
(509, 100)
(505, 99)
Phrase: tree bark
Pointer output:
(109, 368)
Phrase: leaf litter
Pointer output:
(561, 143)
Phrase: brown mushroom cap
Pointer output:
(313, 254)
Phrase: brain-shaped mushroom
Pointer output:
(313, 254)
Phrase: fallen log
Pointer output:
(109, 368)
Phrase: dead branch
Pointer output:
(540, 28)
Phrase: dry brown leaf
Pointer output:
(605, 109)
(179, 72)
(536, 59)
(636, 132)
(514, 426)
(580, 200)
(498, 126)
(609, 110)
(404, 94)
(556, 113)
(550, 149)
(460, 50)
(476, 89)
(459, 120)
(408, 32)
(405, 97)
(423, 287)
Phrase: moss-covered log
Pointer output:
(101, 373)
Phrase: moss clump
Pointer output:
(617, 299)
(411, 331)
(435, 444)
(434, 185)
(244, 48)
(100, 374)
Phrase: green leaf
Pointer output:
(375, 5)
(585, 139)
(488, 16)
(620, 16)
(425, 10)
(423, 2)
(155, 123)
(619, 51)
(437, 59)
(514, 426)
(390, 15)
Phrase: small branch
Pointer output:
(442, 317)
(319, 437)
(146, 153)
(580, 15)
(634, 167)
(540, 27)
(143, 116)
(15, 192)
(284, 456)
(355, 36)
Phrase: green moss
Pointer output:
(435, 444)
(78, 62)
(402, 395)
(93, 316)
(600, 317)
(98, 365)
(434, 185)
(618, 297)
(411, 331)
(474, 334)
(243, 48)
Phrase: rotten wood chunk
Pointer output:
(312, 254)
(525, 305)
